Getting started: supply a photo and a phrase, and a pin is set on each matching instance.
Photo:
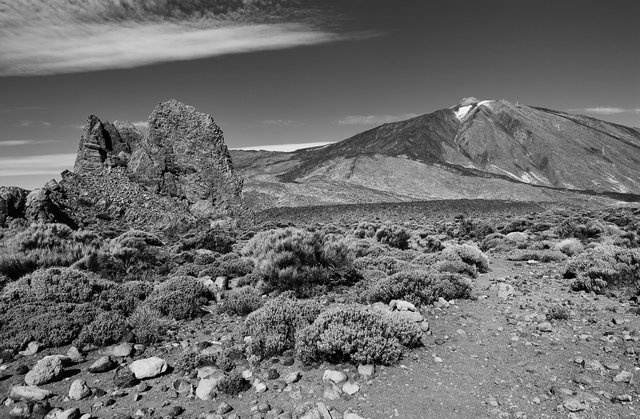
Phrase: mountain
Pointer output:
(179, 172)
(477, 149)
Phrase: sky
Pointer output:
(283, 72)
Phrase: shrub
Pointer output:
(59, 285)
(147, 324)
(236, 267)
(424, 242)
(457, 267)
(603, 266)
(179, 298)
(214, 240)
(107, 328)
(495, 241)
(473, 229)
(357, 334)
(570, 246)
(273, 327)
(558, 312)
(394, 236)
(517, 225)
(293, 259)
(233, 384)
(539, 255)
(582, 228)
(190, 361)
(366, 230)
(470, 255)
(241, 301)
(419, 287)
(49, 324)
(386, 264)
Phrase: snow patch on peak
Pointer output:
(462, 111)
(485, 102)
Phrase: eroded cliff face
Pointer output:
(179, 171)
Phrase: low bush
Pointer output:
(241, 301)
(581, 228)
(558, 312)
(496, 241)
(273, 327)
(49, 324)
(366, 230)
(386, 264)
(297, 260)
(457, 267)
(570, 246)
(419, 287)
(190, 361)
(394, 236)
(537, 255)
(357, 334)
(604, 265)
(107, 328)
(425, 242)
(179, 298)
(214, 240)
(233, 384)
(470, 255)
(517, 225)
(148, 325)
(474, 229)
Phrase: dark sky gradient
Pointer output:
(415, 57)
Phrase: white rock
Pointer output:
(206, 389)
(148, 368)
(29, 393)
(366, 370)
(120, 350)
(334, 376)
(207, 371)
(331, 392)
(260, 386)
(350, 415)
(32, 349)
(402, 305)
(516, 237)
(350, 388)
(46, 370)
(75, 355)
(79, 390)
(73, 413)
(292, 377)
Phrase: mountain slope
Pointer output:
(477, 149)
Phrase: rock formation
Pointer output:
(12, 203)
(183, 155)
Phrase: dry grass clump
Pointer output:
(570, 247)
(604, 266)
(469, 254)
(537, 255)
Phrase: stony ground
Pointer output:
(496, 356)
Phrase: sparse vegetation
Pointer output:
(603, 266)
(241, 301)
(179, 298)
(357, 334)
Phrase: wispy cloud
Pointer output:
(604, 110)
(284, 147)
(281, 122)
(50, 164)
(374, 119)
(57, 36)
(30, 123)
(141, 124)
(10, 143)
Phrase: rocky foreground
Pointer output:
(507, 353)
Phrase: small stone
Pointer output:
(45, 371)
(331, 392)
(142, 387)
(623, 377)
(278, 385)
(335, 376)
(175, 411)
(545, 327)
(350, 388)
(149, 367)
(21, 410)
(402, 305)
(505, 290)
(273, 374)
(366, 370)
(75, 355)
(287, 361)
(424, 326)
(263, 407)
(182, 386)
(624, 398)
(575, 405)
(293, 377)
(79, 390)
(224, 408)
(29, 393)
(206, 389)
(260, 387)
(583, 379)
(73, 413)
(124, 378)
(32, 349)
(121, 350)
(102, 364)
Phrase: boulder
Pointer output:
(29, 393)
(184, 155)
(206, 389)
(102, 364)
(148, 368)
(79, 390)
(45, 371)
(95, 147)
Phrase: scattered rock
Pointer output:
(505, 290)
(545, 327)
(623, 377)
(29, 393)
(573, 404)
(224, 408)
(121, 350)
(293, 377)
(206, 389)
(79, 390)
(149, 367)
(331, 392)
(366, 371)
(124, 378)
(350, 388)
(336, 377)
(102, 364)
(32, 349)
(45, 371)
(75, 355)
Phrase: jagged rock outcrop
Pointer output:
(184, 155)
(12, 203)
(103, 145)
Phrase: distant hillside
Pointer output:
(489, 149)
